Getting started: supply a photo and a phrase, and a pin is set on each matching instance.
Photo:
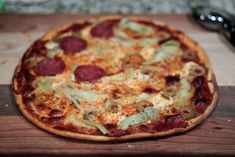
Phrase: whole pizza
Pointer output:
(115, 78)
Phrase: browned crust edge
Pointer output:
(192, 123)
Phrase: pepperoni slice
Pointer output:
(72, 44)
(89, 73)
(49, 67)
(104, 29)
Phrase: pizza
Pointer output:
(115, 78)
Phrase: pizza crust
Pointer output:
(192, 123)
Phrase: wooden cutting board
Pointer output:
(215, 136)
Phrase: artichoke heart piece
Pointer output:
(136, 27)
(96, 125)
(86, 123)
(168, 50)
(183, 96)
(43, 85)
(149, 113)
(184, 93)
(76, 95)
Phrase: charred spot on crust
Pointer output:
(24, 80)
(37, 49)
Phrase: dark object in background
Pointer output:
(216, 20)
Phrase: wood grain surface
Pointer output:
(214, 137)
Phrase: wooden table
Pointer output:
(216, 136)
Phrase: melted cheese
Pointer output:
(192, 69)
(132, 80)
(161, 103)
(148, 52)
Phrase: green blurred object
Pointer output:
(1, 6)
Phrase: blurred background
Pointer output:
(109, 6)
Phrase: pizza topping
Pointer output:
(90, 115)
(53, 49)
(89, 73)
(188, 112)
(143, 104)
(55, 113)
(168, 50)
(168, 93)
(135, 27)
(142, 97)
(149, 90)
(161, 102)
(184, 93)
(163, 35)
(96, 125)
(43, 85)
(76, 95)
(112, 106)
(72, 44)
(149, 69)
(104, 29)
(132, 61)
(149, 113)
(192, 69)
(51, 45)
(172, 80)
(189, 55)
(198, 81)
(49, 67)
(85, 123)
